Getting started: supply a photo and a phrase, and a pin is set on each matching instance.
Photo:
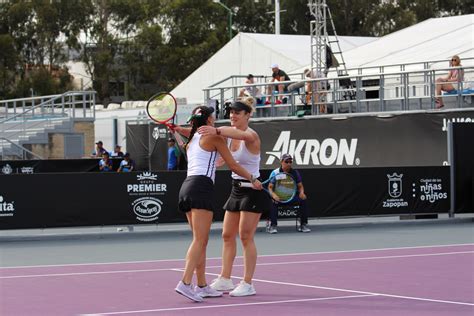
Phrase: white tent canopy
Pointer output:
(430, 40)
(254, 53)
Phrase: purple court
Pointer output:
(433, 280)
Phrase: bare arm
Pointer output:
(221, 147)
(185, 131)
(229, 132)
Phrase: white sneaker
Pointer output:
(304, 229)
(207, 291)
(222, 284)
(188, 292)
(243, 289)
(272, 230)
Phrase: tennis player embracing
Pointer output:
(245, 205)
(196, 197)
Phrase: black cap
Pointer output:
(127, 155)
(249, 76)
(202, 108)
(285, 156)
(240, 106)
(99, 142)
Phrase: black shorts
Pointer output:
(247, 199)
(196, 192)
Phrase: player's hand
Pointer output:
(207, 130)
(220, 162)
(275, 197)
(302, 196)
(257, 185)
(172, 127)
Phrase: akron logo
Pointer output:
(147, 208)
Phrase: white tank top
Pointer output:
(201, 162)
(249, 161)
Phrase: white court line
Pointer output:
(239, 257)
(350, 259)
(235, 265)
(82, 273)
(230, 305)
(354, 291)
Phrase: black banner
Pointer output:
(52, 166)
(463, 164)
(384, 140)
(96, 199)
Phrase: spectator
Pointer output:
(99, 150)
(277, 75)
(117, 151)
(446, 83)
(316, 88)
(105, 164)
(127, 164)
(173, 155)
(286, 162)
(252, 91)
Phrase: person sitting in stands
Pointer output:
(446, 83)
(278, 75)
(117, 151)
(99, 150)
(252, 91)
(105, 164)
(127, 164)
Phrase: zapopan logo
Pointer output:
(317, 151)
(147, 208)
(395, 185)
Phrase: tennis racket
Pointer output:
(161, 108)
(283, 186)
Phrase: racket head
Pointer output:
(284, 186)
(161, 107)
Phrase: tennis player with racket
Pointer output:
(286, 169)
(196, 198)
(244, 205)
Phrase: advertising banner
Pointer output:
(97, 199)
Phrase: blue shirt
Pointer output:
(173, 158)
(107, 165)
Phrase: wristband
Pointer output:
(218, 131)
(252, 179)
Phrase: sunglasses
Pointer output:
(288, 161)
(454, 59)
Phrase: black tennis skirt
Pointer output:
(247, 199)
(196, 192)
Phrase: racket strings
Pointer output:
(285, 188)
(162, 108)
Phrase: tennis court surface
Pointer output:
(426, 280)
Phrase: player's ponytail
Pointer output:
(197, 119)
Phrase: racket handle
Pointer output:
(246, 185)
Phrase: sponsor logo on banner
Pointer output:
(395, 187)
(326, 152)
(146, 204)
(27, 170)
(147, 208)
(6, 207)
(456, 120)
(430, 190)
(159, 133)
(7, 169)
